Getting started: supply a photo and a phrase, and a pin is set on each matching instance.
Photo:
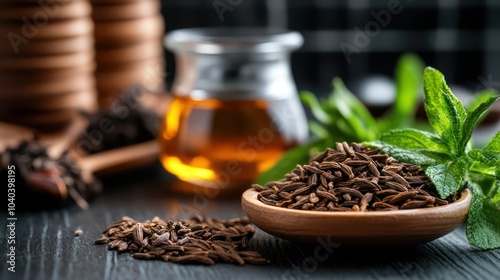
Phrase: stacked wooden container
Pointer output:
(46, 62)
(129, 49)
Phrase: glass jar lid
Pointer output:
(233, 40)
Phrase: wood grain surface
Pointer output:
(46, 247)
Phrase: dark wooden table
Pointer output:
(46, 247)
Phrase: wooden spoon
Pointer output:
(383, 228)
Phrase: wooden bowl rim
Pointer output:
(250, 197)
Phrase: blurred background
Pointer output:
(458, 37)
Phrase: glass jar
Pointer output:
(235, 107)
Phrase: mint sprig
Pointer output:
(448, 156)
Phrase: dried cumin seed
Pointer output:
(340, 147)
(348, 149)
(347, 170)
(300, 191)
(373, 169)
(265, 200)
(312, 169)
(313, 198)
(112, 226)
(388, 198)
(398, 178)
(386, 192)
(112, 231)
(411, 168)
(319, 157)
(327, 195)
(329, 165)
(183, 241)
(429, 199)
(340, 209)
(284, 203)
(314, 163)
(290, 176)
(122, 247)
(349, 191)
(101, 240)
(173, 236)
(296, 205)
(144, 256)
(379, 158)
(440, 201)
(346, 197)
(313, 179)
(384, 205)
(232, 257)
(192, 259)
(402, 197)
(133, 248)
(307, 206)
(331, 206)
(366, 183)
(396, 186)
(172, 247)
(422, 192)
(367, 198)
(412, 204)
(138, 234)
(284, 195)
(356, 208)
(357, 147)
(360, 170)
(183, 231)
(335, 157)
(328, 176)
(365, 157)
(323, 181)
(292, 186)
(267, 192)
(392, 168)
(348, 204)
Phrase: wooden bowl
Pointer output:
(384, 228)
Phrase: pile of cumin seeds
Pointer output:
(353, 178)
(195, 240)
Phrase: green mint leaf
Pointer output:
(477, 155)
(408, 79)
(491, 158)
(404, 155)
(309, 99)
(495, 193)
(480, 98)
(438, 156)
(445, 112)
(410, 138)
(475, 114)
(319, 130)
(483, 223)
(494, 145)
(447, 177)
(354, 112)
(294, 156)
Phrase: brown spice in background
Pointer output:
(196, 240)
(353, 178)
(45, 182)
(125, 123)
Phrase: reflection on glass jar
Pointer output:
(235, 108)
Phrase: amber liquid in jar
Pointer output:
(221, 143)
